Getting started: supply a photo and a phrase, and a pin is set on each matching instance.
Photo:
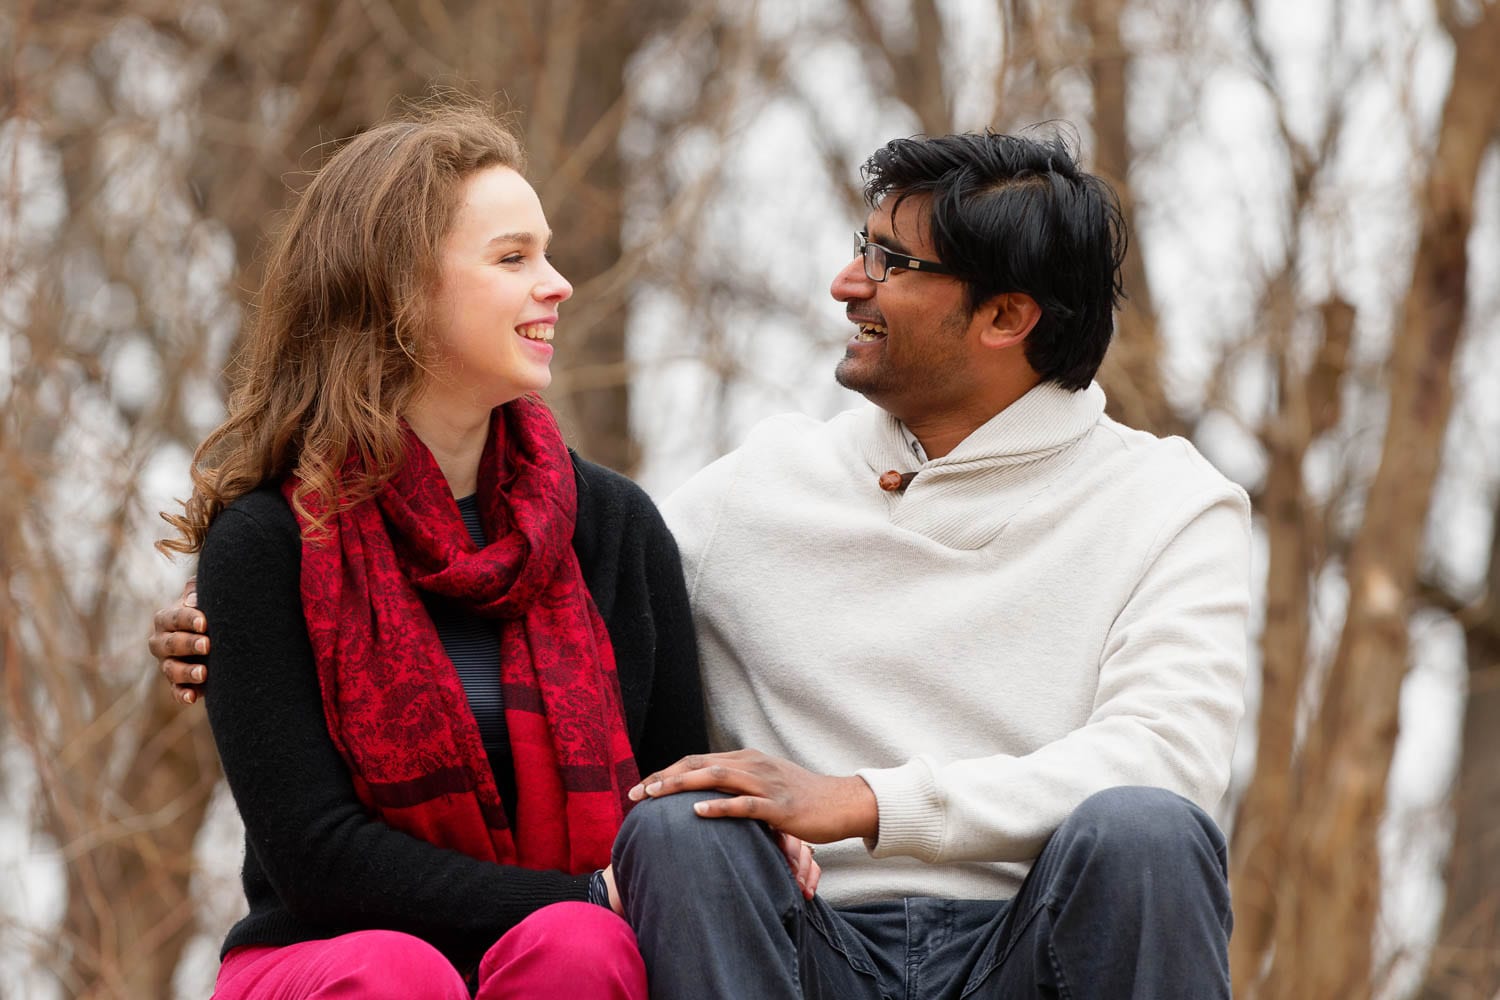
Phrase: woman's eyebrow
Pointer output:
(525, 239)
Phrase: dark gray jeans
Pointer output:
(1128, 899)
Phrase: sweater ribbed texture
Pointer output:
(1056, 607)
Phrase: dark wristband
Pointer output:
(599, 890)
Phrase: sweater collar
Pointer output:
(1045, 420)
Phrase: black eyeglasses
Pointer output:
(879, 260)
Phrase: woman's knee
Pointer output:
(566, 948)
(382, 964)
(582, 928)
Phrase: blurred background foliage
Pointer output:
(1313, 190)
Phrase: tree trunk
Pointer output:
(1324, 930)
(1263, 814)
(1465, 962)
(1308, 407)
(561, 65)
(129, 908)
(1131, 374)
(125, 783)
(587, 215)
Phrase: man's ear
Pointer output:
(1008, 318)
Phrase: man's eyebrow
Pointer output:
(890, 242)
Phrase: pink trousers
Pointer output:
(562, 950)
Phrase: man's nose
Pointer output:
(852, 283)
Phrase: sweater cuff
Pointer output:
(579, 886)
(911, 817)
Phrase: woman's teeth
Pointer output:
(868, 332)
(536, 331)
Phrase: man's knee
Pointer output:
(1143, 824)
(669, 828)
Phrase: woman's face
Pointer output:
(497, 294)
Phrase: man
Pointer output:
(988, 644)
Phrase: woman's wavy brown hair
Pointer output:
(338, 349)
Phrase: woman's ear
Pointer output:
(1009, 317)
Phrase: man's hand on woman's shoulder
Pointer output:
(179, 640)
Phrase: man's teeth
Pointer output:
(869, 331)
(536, 331)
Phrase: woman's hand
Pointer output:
(180, 631)
(805, 868)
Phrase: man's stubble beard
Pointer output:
(929, 379)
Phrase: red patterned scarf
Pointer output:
(394, 703)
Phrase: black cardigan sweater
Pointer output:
(316, 864)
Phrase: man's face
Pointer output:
(911, 353)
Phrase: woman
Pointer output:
(387, 498)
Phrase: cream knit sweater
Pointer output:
(1056, 607)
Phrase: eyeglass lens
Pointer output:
(874, 257)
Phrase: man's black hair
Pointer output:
(1016, 214)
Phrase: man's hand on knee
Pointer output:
(818, 808)
(177, 632)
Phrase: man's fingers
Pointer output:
(177, 632)
(669, 780)
(168, 644)
(181, 673)
(178, 618)
(685, 764)
(715, 778)
(739, 807)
